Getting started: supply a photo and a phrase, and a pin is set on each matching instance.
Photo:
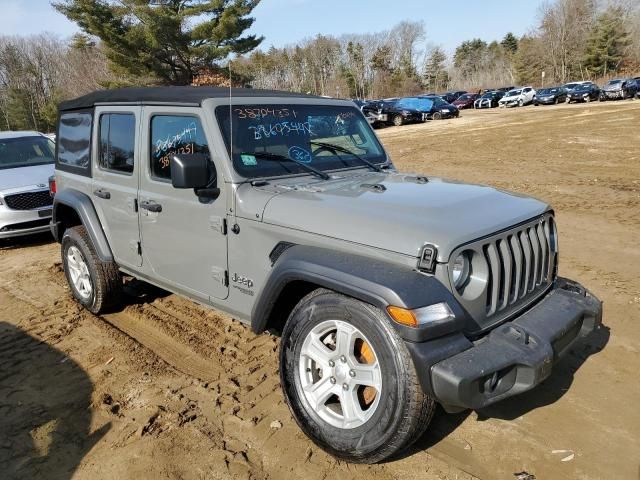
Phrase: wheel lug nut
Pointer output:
(332, 363)
(352, 373)
(343, 359)
(345, 386)
(332, 380)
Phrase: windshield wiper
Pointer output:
(338, 148)
(282, 158)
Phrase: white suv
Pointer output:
(518, 97)
(26, 163)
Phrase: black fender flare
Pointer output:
(376, 282)
(83, 206)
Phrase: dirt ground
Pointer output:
(167, 389)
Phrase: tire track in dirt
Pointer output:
(175, 354)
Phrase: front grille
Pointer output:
(29, 200)
(521, 262)
(509, 271)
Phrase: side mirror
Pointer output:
(194, 171)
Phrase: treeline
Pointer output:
(574, 39)
(38, 72)
(571, 40)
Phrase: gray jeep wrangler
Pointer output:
(391, 291)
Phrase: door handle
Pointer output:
(102, 193)
(151, 206)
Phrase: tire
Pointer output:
(99, 285)
(398, 121)
(568, 100)
(521, 103)
(436, 116)
(587, 99)
(387, 422)
(557, 101)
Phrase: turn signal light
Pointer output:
(438, 312)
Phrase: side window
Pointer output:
(74, 141)
(174, 135)
(117, 142)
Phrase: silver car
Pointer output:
(26, 163)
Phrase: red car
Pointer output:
(466, 100)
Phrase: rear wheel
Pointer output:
(437, 116)
(349, 379)
(97, 285)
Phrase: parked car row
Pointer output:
(431, 106)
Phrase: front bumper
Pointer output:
(517, 355)
(16, 223)
(613, 94)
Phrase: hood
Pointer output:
(22, 178)
(400, 214)
(511, 98)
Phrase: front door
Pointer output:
(115, 180)
(184, 241)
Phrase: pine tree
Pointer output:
(510, 43)
(435, 73)
(607, 43)
(171, 40)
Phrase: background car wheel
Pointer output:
(521, 103)
(97, 285)
(587, 99)
(349, 380)
(437, 116)
(398, 120)
(557, 101)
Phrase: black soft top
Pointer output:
(168, 95)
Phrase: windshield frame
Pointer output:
(16, 139)
(216, 105)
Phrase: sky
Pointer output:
(285, 22)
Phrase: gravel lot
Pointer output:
(167, 389)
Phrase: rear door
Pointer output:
(184, 241)
(115, 180)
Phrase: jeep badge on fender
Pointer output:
(391, 292)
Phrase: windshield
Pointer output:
(290, 131)
(513, 93)
(614, 82)
(490, 95)
(466, 96)
(25, 152)
(570, 86)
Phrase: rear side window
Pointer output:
(174, 135)
(74, 141)
(117, 142)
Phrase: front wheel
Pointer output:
(97, 285)
(349, 380)
(398, 121)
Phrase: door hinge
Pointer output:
(219, 224)
(220, 275)
(139, 249)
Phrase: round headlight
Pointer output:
(460, 270)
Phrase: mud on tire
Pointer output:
(402, 411)
(105, 281)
